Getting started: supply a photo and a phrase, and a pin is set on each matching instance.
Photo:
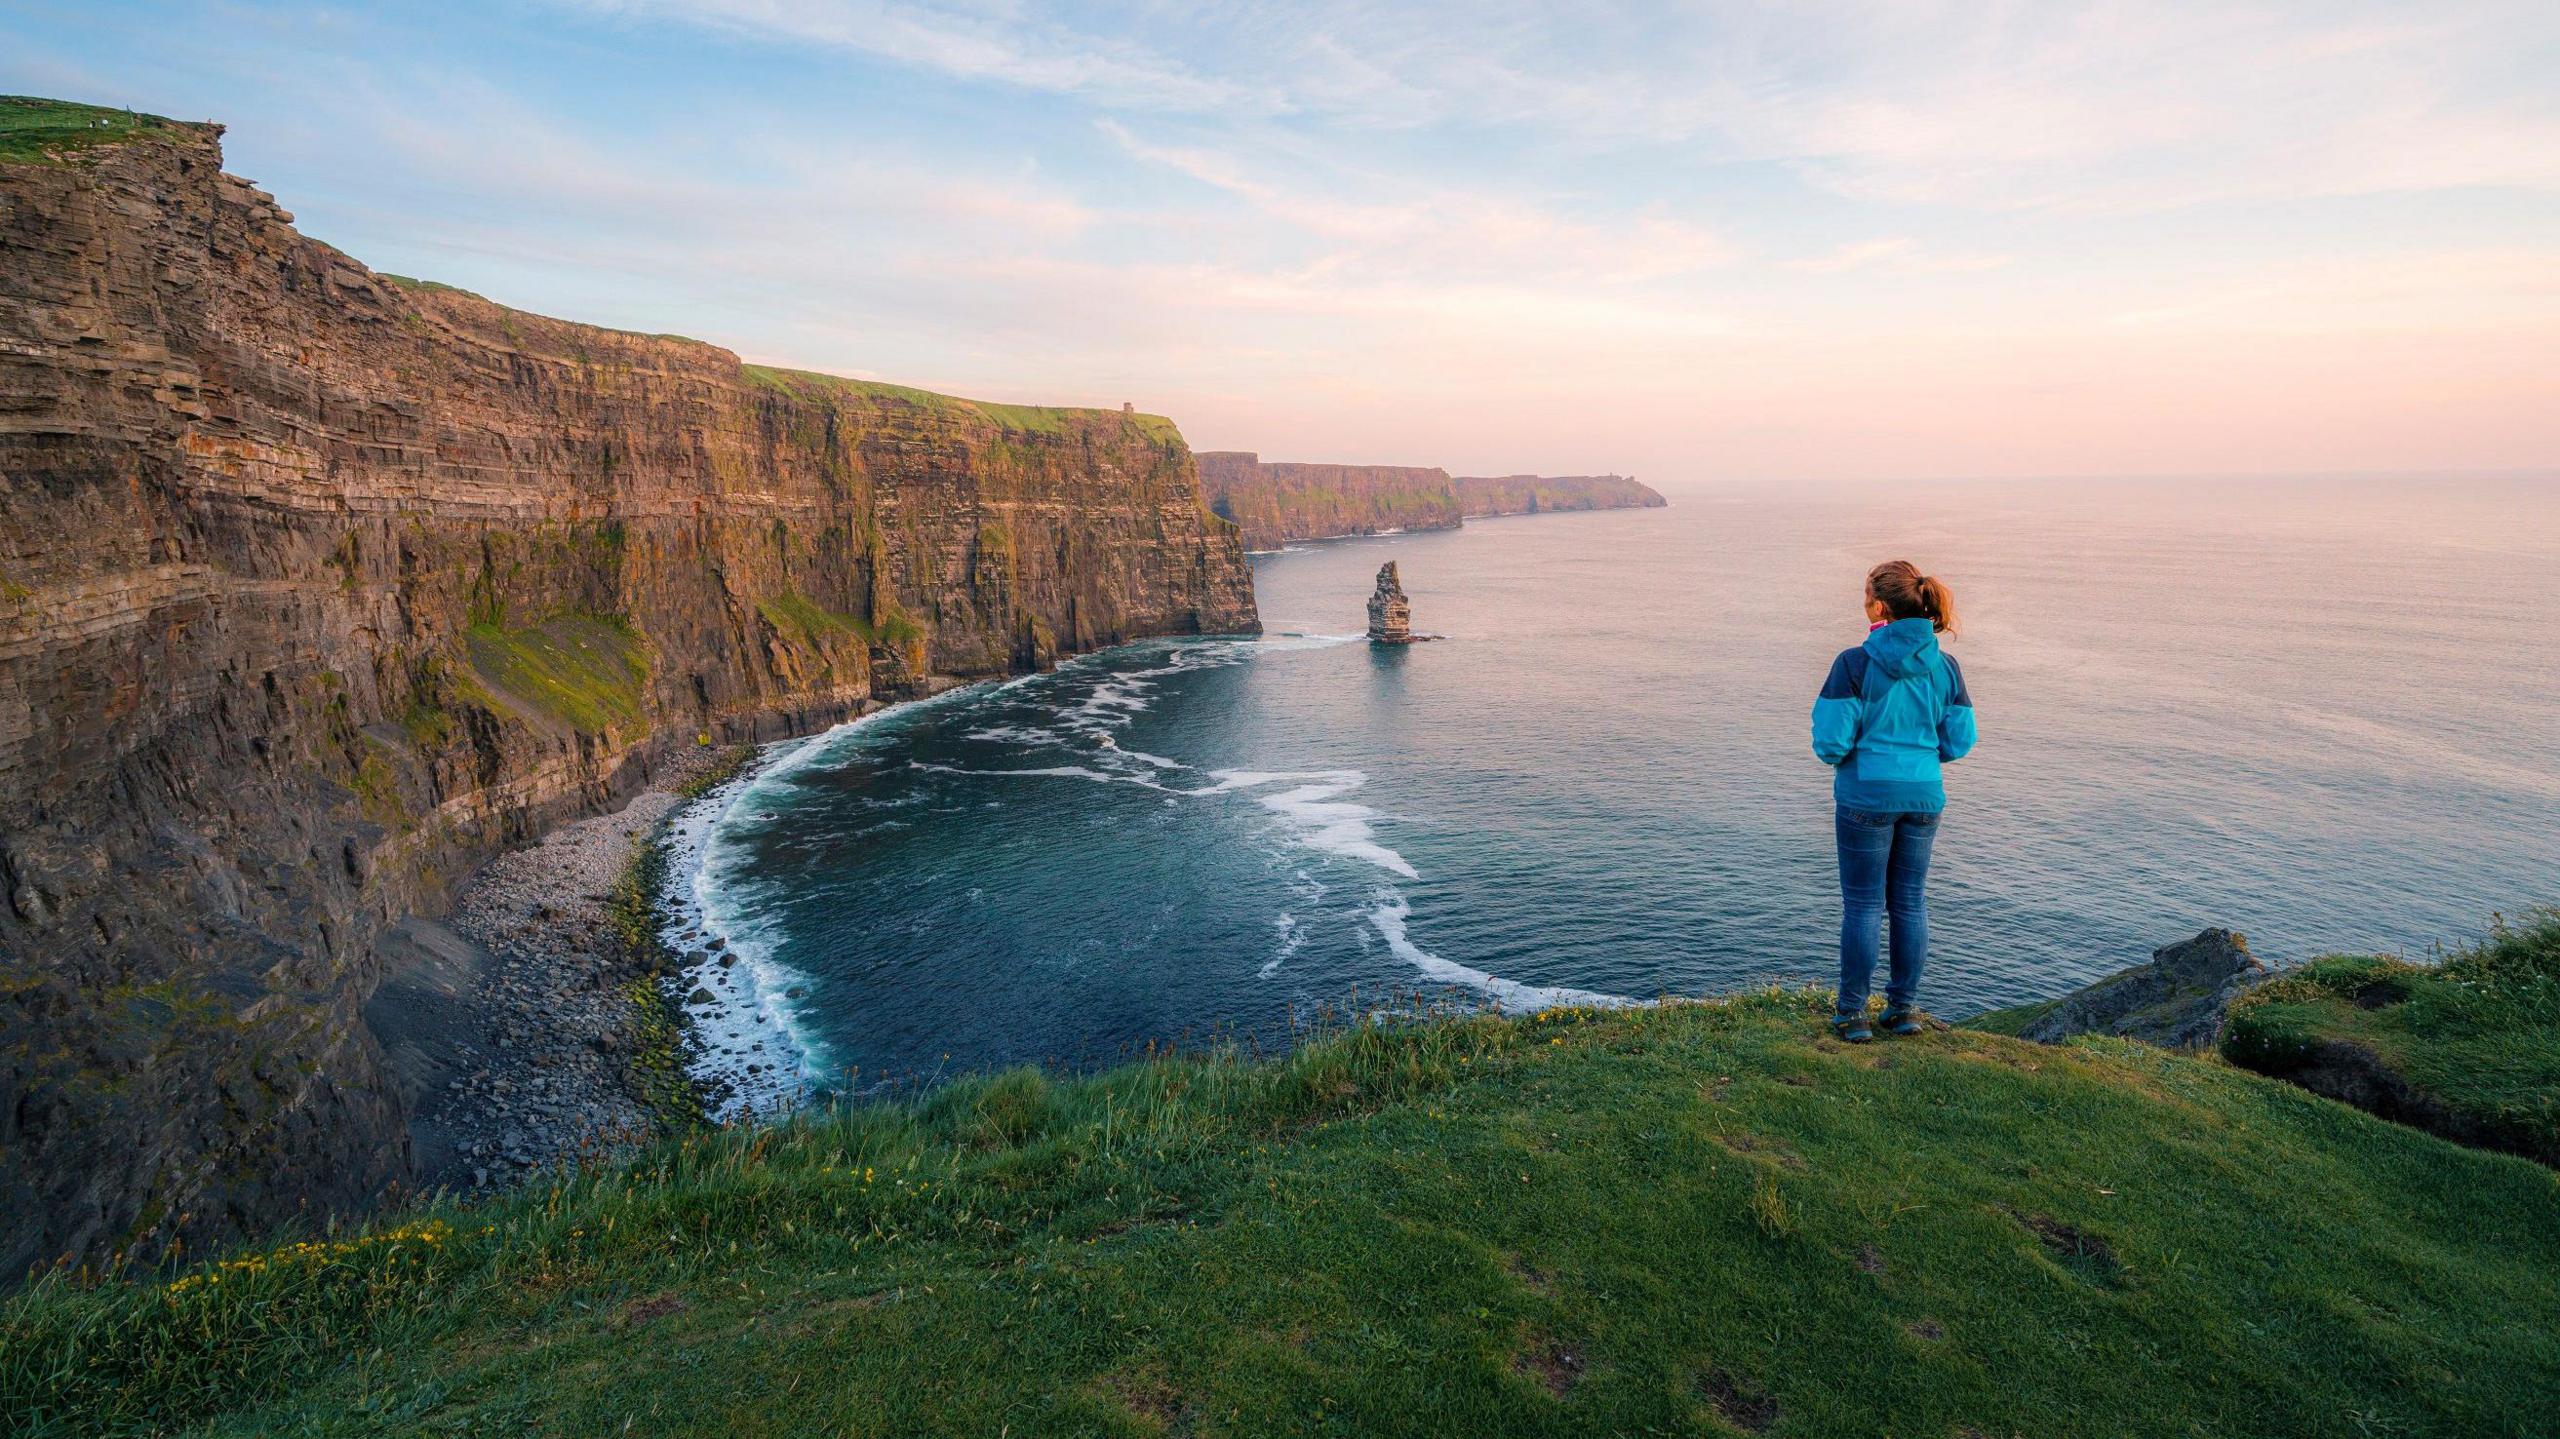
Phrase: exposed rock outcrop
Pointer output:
(2178, 1000)
(1487, 495)
(1390, 614)
(316, 587)
(1279, 501)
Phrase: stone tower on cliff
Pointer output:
(1390, 615)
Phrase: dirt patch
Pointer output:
(1748, 1410)
(656, 1306)
(2382, 994)
(1870, 1259)
(1552, 1365)
(1752, 1146)
(1129, 1224)
(1537, 1281)
(1929, 1329)
(2008, 1057)
(823, 1317)
(1150, 1399)
(2084, 1255)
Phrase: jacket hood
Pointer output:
(1905, 648)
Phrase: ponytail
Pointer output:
(1907, 594)
(1938, 603)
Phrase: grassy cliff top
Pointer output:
(2469, 1048)
(39, 130)
(1701, 1219)
(1022, 419)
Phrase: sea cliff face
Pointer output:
(1484, 495)
(1279, 501)
(316, 587)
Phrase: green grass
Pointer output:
(811, 623)
(2013, 1019)
(38, 131)
(412, 282)
(2475, 1040)
(1690, 1220)
(798, 617)
(1019, 419)
(584, 670)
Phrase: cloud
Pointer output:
(2512, 291)
(1716, 238)
(1448, 230)
(1898, 255)
(2084, 105)
(995, 44)
(1857, 256)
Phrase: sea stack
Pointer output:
(1390, 615)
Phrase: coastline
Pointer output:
(554, 1013)
(513, 1022)
(1285, 546)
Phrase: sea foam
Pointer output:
(1318, 815)
(1390, 916)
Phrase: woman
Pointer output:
(1892, 711)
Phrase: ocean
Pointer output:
(2323, 713)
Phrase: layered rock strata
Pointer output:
(1487, 495)
(1278, 501)
(1390, 613)
(317, 587)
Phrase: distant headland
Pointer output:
(1278, 501)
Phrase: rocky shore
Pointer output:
(522, 1026)
(320, 587)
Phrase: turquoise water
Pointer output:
(2323, 714)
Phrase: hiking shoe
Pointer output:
(1904, 1022)
(1852, 1028)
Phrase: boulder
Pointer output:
(2176, 1001)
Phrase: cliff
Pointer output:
(1541, 494)
(317, 586)
(1279, 501)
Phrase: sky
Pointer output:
(1699, 243)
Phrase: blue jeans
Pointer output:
(1884, 869)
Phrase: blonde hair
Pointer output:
(1907, 594)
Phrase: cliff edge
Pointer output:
(1276, 501)
(1666, 1220)
(1486, 495)
(317, 586)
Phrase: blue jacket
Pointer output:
(1891, 711)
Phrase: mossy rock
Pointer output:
(585, 671)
